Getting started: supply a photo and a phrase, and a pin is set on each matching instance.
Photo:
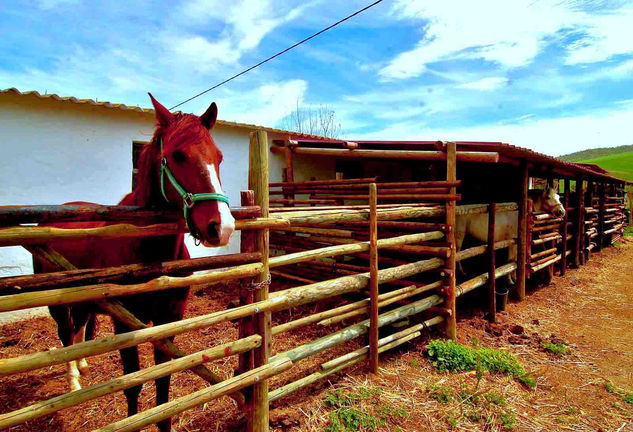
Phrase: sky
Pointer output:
(553, 76)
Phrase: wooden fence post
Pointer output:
(248, 243)
(492, 298)
(580, 221)
(601, 213)
(373, 279)
(258, 183)
(451, 176)
(563, 259)
(522, 246)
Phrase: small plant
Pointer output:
(509, 419)
(453, 357)
(441, 393)
(348, 413)
(556, 349)
(628, 231)
(626, 396)
(495, 398)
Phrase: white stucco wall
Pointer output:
(54, 152)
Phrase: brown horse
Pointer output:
(179, 168)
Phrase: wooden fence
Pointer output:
(342, 238)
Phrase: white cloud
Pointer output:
(509, 33)
(550, 136)
(266, 105)
(490, 83)
(605, 35)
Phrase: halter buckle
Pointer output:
(163, 162)
(188, 200)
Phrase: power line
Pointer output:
(278, 54)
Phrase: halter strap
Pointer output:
(188, 199)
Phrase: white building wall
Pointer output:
(54, 152)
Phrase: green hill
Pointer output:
(619, 165)
(584, 155)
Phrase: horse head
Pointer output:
(189, 172)
(549, 201)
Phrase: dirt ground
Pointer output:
(590, 311)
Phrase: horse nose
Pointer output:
(213, 233)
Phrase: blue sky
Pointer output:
(554, 76)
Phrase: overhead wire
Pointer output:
(278, 54)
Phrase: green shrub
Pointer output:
(449, 356)
(441, 393)
(495, 398)
(556, 349)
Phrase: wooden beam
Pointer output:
(492, 297)
(373, 279)
(449, 303)
(522, 244)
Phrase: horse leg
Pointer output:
(175, 301)
(84, 333)
(513, 252)
(129, 357)
(63, 318)
(162, 388)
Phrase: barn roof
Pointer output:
(508, 153)
(150, 111)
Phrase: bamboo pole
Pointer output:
(492, 296)
(470, 156)
(316, 376)
(522, 244)
(373, 279)
(173, 407)
(67, 400)
(257, 421)
(451, 175)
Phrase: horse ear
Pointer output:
(163, 115)
(210, 116)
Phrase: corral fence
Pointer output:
(387, 250)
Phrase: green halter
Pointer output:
(188, 199)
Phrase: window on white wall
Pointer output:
(137, 146)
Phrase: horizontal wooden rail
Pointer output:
(200, 397)
(340, 365)
(14, 236)
(481, 280)
(278, 300)
(102, 291)
(67, 400)
(463, 156)
(112, 274)
(15, 215)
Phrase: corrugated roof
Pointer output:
(123, 107)
(505, 150)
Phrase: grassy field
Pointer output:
(619, 165)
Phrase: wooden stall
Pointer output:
(377, 241)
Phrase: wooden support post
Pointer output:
(563, 261)
(289, 175)
(522, 246)
(451, 176)
(492, 301)
(580, 222)
(258, 183)
(529, 216)
(601, 214)
(248, 243)
(373, 279)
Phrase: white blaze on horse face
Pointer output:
(227, 222)
(553, 201)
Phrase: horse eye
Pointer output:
(179, 156)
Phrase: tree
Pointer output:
(320, 121)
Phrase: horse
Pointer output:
(506, 223)
(179, 168)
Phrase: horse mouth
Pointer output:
(217, 235)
